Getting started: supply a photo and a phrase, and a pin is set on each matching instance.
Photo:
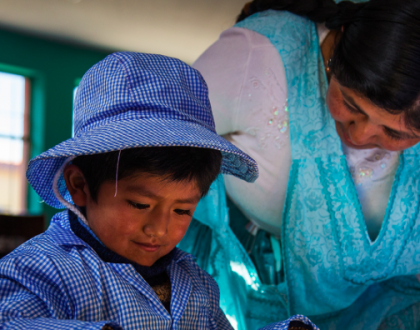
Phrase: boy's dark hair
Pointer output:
(171, 163)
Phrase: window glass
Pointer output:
(14, 142)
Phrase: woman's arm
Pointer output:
(248, 93)
(224, 66)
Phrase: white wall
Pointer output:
(179, 28)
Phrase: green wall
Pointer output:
(53, 68)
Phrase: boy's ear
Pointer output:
(76, 185)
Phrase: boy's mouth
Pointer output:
(148, 247)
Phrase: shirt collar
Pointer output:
(60, 231)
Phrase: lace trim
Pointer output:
(291, 189)
(362, 264)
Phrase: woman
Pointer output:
(325, 97)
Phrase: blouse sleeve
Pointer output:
(223, 66)
(248, 93)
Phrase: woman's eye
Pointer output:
(350, 108)
(183, 212)
(138, 205)
(393, 135)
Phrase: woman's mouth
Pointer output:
(347, 138)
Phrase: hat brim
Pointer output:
(151, 132)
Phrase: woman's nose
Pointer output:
(157, 224)
(361, 132)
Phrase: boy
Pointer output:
(143, 154)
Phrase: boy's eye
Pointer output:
(138, 205)
(183, 212)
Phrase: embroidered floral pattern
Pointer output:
(272, 121)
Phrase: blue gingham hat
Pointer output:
(131, 100)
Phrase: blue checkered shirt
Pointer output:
(57, 281)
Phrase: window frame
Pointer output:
(34, 122)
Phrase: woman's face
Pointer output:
(362, 125)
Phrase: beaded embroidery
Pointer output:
(270, 122)
(367, 169)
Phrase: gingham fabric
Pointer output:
(57, 281)
(133, 100)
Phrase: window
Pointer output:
(14, 142)
(76, 83)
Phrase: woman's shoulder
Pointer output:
(233, 48)
(235, 58)
(246, 36)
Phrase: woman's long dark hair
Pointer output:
(378, 54)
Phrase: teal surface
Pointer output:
(333, 272)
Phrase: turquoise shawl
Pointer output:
(333, 272)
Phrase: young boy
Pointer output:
(143, 154)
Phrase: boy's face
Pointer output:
(145, 221)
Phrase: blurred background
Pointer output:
(45, 48)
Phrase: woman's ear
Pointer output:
(76, 185)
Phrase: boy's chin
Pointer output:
(144, 259)
(146, 263)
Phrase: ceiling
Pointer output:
(179, 28)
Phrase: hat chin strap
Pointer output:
(57, 194)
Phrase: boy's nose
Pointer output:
(157, 226)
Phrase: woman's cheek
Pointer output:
(392, 145)
(334, 110)
(333, 103)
